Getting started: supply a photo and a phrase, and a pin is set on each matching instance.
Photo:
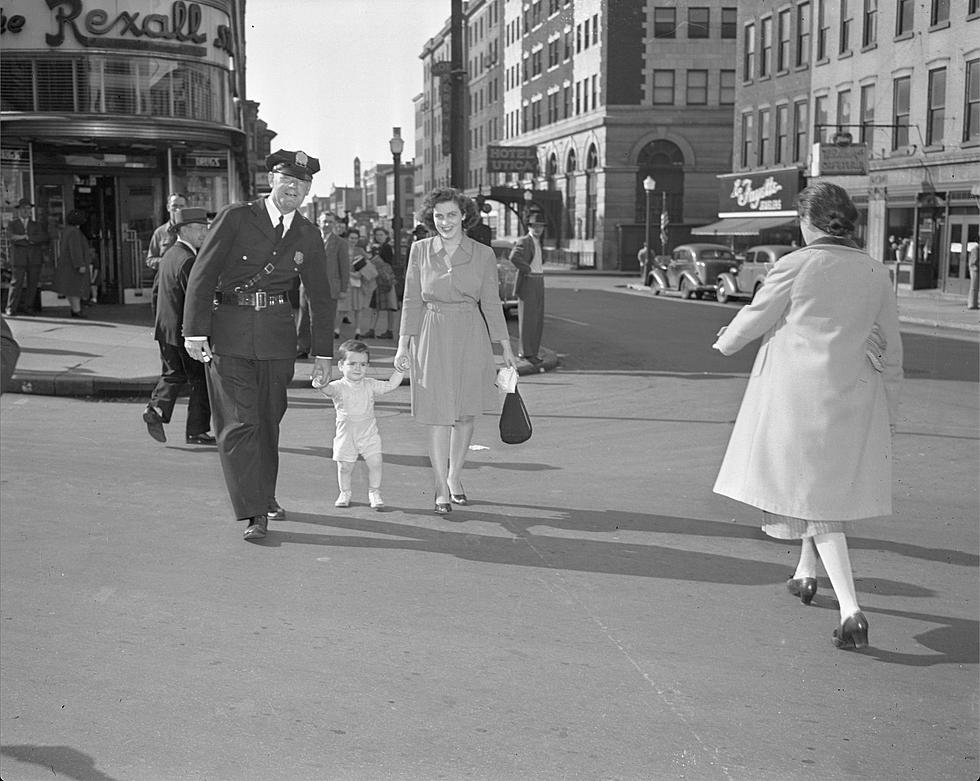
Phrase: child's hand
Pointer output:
(319, 382)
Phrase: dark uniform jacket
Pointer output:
(173, 272)
(522, 256)
(240, 251)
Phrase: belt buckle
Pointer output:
(261, 300)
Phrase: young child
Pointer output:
(357, 430)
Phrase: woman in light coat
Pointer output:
(811, 446)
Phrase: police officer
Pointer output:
(238, 320)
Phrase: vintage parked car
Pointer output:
(506, 274)
(745, 279)
(691, 269)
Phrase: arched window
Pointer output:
(664, 161)
(591, 191)
(552, 170)
(570, 164)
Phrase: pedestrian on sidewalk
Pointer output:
(357, 433)
(163, 238)
(450, 314)
(179, 369)
(363, 276)
(529, 259)
(71, 277)
(973, 267)
(384, 304)
(811, 445)
(30, 240)
(338, 274)
(238, 319)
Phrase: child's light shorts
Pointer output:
(356, 437)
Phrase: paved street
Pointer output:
(597, 613)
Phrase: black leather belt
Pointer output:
(258, 300)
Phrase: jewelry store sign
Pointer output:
(771, 192)
(512, 159)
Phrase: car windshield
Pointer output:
(716, 254)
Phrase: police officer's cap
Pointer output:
(297, 164)
(190, 215)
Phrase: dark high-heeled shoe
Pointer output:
(853, 632)
(443, 507)
(804, 588)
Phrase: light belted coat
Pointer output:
(812, 437)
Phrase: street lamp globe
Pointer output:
(649, 184)
(397, 143)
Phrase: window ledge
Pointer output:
(845, 55)
(939, 26)
(822, 61)
(972, 144)
(869, 47)
(904, 36)
(932, 148)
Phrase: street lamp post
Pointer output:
(397, 144)
(649, 185)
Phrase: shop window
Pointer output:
(56, 85)
(16, 85)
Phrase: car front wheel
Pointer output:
(687, 289)
(721, 293)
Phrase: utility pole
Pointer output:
(457, 163)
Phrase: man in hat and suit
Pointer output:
(29, 238)
(528, 258)
(338, 272)
(179, 369)
(238, 320)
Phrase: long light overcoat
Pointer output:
(812, 437)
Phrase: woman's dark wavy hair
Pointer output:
(828, 207)
(466, 205)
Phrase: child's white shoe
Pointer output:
(374, 497)
(343, 500)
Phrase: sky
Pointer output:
(333, 77)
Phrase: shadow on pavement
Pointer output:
(62, 761)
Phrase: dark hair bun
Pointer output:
(839, 225)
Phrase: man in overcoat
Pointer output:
(178, 368)
(529, 259)
(238, 319)
(29, 238)
(338, 273)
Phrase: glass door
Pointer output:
(963, 230)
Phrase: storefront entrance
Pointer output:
(962, 230)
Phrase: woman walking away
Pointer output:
(444, 339)
(811, 446)
(71, 278)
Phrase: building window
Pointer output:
(845, 27)
(867, 112)
(900, 112)
(536, 63)
(591, 192)
(747, 131)
(585, 95)
(595, 92)
(664, 22)
(844, 110)
(585, 35)
(726, 88)
(578, 97)
(869, 30)
(971, 112)
(568, 45)
(765, 47)
(552, 108)
(904, 17)
(697, 87)
(940, 12)
(595, 28)
(578, 38)
(782, 48)
(536, 115)
(567, 101)
(782, 134)
(553, 56)
(823, 31)
(663, 88)
(729, 22)
(801, 121)
(697, 22)
(803, 34)
(749, 52)
(936, 113)
(764, 137)
(821, 131)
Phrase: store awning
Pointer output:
(743, 226)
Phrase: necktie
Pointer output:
(279, 230)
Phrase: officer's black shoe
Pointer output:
(154, 424)
(257, 528)
(201, 439)
(275, 513)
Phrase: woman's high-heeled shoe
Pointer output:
(459, 498)
(443, 507)
(853, 632)
(804, 588)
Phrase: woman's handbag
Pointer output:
(515, 423)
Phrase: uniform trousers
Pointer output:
(248, 400)
(303, 338)
(530, 313)
(179, 369)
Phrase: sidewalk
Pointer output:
(113, 352)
